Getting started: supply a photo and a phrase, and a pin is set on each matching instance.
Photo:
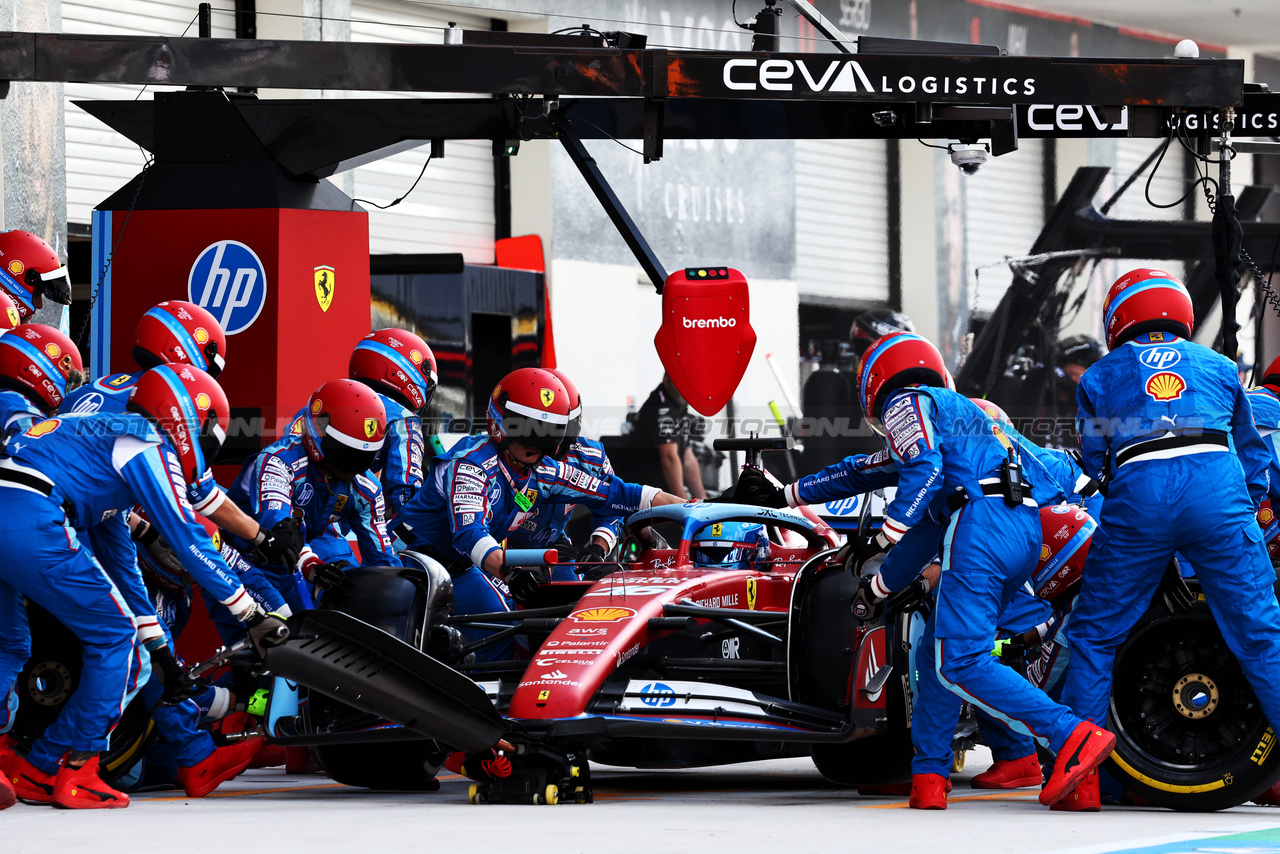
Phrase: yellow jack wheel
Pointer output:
(552, 794)
(574, 771)
(473, 794)
(957, 764)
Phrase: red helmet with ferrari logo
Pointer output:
(10, 317)
(189, 408)
(179, 332)
(1147, 300)
(530, 406)
(1271, 379)
(40, 362)
(574, 429)
(1066, 532)
(399, 364)
(896, 361)
(30, 270)
(344, 427)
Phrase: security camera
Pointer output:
(968, 158)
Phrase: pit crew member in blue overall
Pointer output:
(400, 367)
(1264, 401)
(25, 398)
(937, 708)
(476, 497)
(546, 527)
(82, 472)
(175, 332)
(30, 271)
(301, 485)
(1166, 425)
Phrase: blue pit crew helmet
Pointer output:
(729, 545)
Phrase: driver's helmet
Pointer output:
(729, 545)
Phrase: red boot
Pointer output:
(218, 767)
(8, 759)
(1269, 798)
(82, 789)
(1084, 751)
(1083, 798)
(271, 756)
(8, 797)
(1010, 774)
(929, 791)
(298, 760)
(30, 784)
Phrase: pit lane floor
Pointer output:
(780, 807)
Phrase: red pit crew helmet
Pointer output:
(178, 332)
(896, 361)
(344, 427)
(10, 317)
(1066, 533)
(1271, 379)
(399, 364)
(40, 362)
(575, 413)
(30, 270)
(189, 408)
(1146, 300)
(530, 406)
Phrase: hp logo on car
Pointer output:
(657, 694)
(229, 280)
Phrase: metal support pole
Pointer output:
(204, 12)
(1228, 236)
(824, 26)
(608, 199)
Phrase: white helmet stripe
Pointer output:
(352, 442)
(539, 414)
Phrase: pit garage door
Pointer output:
(99, 160)
(452, 208)
(842, 220)
(1004, 212)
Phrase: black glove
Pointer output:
(865, 605)
(911, 596)
(281, 545)
(567, 551)
(177, 685)
(755, 488)
(524, 582)
(266, 630)
(329, 576)
(861, 548)
(591, 553)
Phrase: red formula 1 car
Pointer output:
(661, 663)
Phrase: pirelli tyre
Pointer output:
(826, 648)
(407, 603)
(1190, 733)
(47, 682)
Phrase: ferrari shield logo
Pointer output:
(751, 594)
(370, 427)
(325, 281)
(547, 396)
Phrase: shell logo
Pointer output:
(201, 335)
(44, 428)
(53, 350)
(1166, 385)
(316, 406)
(202, 401)
(16, 267)
(497, 390)
(416, 356)
(1265, 516)
(1045, 552)
(602, 615)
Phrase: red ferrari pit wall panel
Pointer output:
(290, 287)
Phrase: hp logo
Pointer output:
(657, 694)
(1160, 358)
(229, 280)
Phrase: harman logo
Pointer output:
(710, 322)
(229, 280)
